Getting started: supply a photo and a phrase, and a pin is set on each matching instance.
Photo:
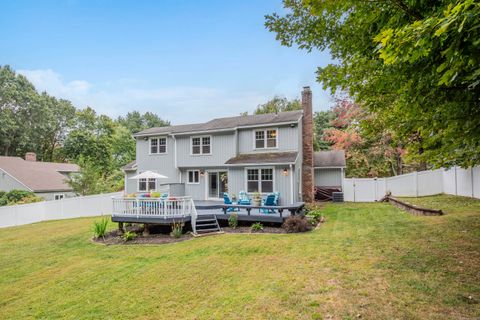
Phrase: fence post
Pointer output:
(471, 176)
(375, 189)
(415, 181)
(353, 184)
(456, 192)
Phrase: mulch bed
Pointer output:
(114, 237)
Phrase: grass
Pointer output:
(368, 261)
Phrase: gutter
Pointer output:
(216, 130)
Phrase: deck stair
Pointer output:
(207, 224)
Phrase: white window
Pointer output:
(144, 185)
(201, 145)
(158, 145)
(58, 196)
(265, 139)
(193, 177)
(260, 180)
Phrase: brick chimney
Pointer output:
(307, 132)
(31, 156)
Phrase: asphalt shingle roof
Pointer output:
(227, 123)
(259, 158)
(36, 175)
(333, 158)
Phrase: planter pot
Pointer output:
(257, 203)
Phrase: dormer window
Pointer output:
(158, 145)
(266, 139)
(201, 145)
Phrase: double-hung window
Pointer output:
(260, 180)
(201, 145)
(158, 145)
(265, 139)
(147, 184)
(193, 177)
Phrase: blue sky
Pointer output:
(188, 61)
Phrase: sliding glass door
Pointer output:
(217, 184)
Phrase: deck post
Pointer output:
(120, 228)
(146, 230)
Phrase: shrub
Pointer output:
(14, 196)
(30, 199)
(296, 224)
(129, 235)
(100, 228)
(256, 227)
(233, 220)
(314, 216)
(177, 229)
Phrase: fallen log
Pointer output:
(419, 211)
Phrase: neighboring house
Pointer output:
(45, 179)
(264, 153)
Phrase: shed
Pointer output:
(329, 168)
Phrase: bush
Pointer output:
(296, 223)
(100, 228)
(256, 227)
(18, 197)
(129, 235)
(177, 230)
(314, 216)
(233, 220)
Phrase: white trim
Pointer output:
(146, 186)
(258, 164)
(265, 125)
(201, 145)
(291, 184)
(188, 176)
(158, 153)
(245, 183)
(23, 184)
(329, 167)
(265, 139)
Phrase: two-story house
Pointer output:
(253, 153)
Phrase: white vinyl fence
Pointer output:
(67, 208)
(455, 181)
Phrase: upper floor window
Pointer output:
(266, 138)
(158, 145)
(201, 145)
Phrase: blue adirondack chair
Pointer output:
(227, 200)
(243, 198)
(269, 201)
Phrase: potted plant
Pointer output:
(257, 199)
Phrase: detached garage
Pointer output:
(329, 171)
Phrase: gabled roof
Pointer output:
(227, 123)
(263, 158)
(329, 159)
(38, 176)
(130, 166)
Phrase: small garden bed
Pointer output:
(134, 233)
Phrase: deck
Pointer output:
(165, 212)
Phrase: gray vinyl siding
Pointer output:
(222, 148)
(8, 183)
(51, 195)
(160, 163)
(328, 177)
(196, 191)
(237, 182)
(287, 140)
(132, 185)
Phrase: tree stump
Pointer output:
(146, 230)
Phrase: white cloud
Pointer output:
(179, 104)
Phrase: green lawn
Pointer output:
(368, 261)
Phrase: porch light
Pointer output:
(285, 172)
(202, 173)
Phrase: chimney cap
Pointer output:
(306, 88)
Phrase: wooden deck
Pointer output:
(155, 212)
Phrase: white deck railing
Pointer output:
(177, 207)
